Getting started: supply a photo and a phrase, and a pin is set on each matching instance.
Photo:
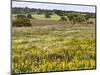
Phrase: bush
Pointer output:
(76, 18)
(47, 15)
(21, 16)
(90, 22)
(59, 12)
(39, 13)
(63, 18)
(87, 17)
(22, 22)
(29, 16)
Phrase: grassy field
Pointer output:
(42, 17)
(54, 17)
(53, 46)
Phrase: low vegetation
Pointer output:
(63, 18)
(45, 43)
(22, 22)
(29, 16)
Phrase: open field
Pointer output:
(53, 47)
(53, 39)
(42, 17)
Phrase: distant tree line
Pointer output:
(24, 15)
(20, 10)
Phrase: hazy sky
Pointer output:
(54, 6)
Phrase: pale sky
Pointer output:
(54, 6)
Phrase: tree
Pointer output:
(21, 16)
(63, 18)
(29, 16)
(87, 16)
(21, 22)
(47, 15)
(39, 13)
(76, 18)
(59, 12)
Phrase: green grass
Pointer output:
(42, 17)
(43, 48)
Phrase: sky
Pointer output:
(66, 7)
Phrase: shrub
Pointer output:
(21, 16)
(63, 18)
(90, 22)
(47, 15)
(59, 12)
(76, 18)
(21, 22)
(29, 16)
(87, 17)
(39, 13)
